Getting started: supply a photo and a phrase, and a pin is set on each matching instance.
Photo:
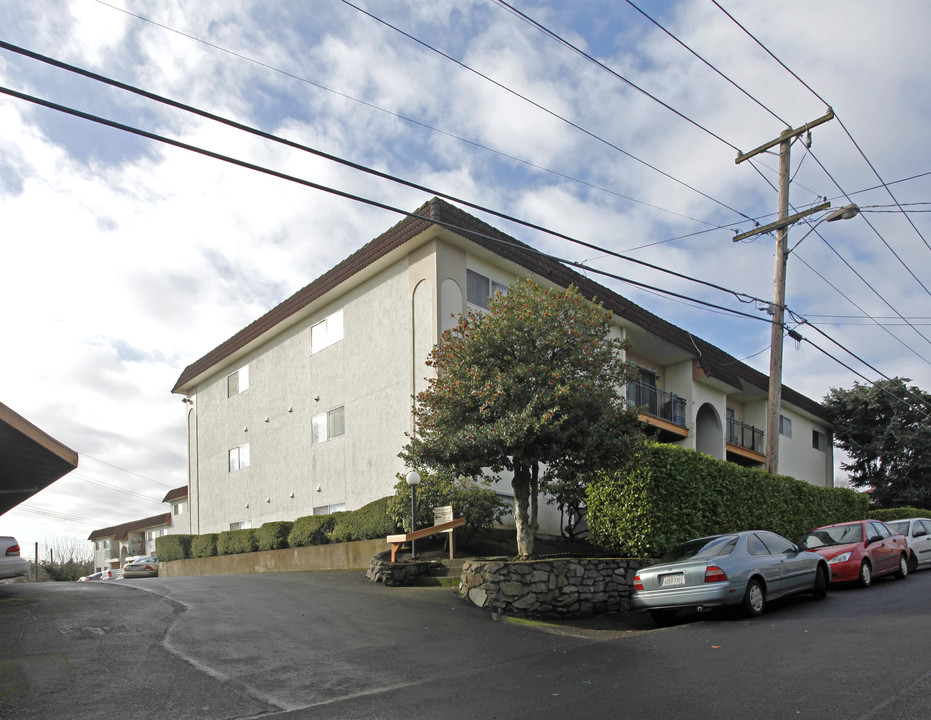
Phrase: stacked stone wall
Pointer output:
(551, 588)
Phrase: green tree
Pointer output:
(534, 387)
(885, 430)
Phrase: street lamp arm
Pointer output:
(844, 213)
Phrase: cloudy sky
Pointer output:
(618, 124)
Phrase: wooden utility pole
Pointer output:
(781, 226)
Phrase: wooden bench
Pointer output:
(397, 541)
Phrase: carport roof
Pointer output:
(30, 459)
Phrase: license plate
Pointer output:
(678, 579)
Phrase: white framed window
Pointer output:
(331, 508)
(237, 382)
(239, 457)
(480, 289)
(241, 525)
(818, 440)
(785, 426)
(328, 425)
(326, 332)
(177, 509)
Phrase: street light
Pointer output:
(413, 479)
(775, 364)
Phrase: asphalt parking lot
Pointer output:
(333, 645)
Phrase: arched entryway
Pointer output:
(709, 432)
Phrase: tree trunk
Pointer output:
(521, 484)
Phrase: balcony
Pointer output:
(745, 440)
(658, 405)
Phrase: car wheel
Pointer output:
(912, 563)
(866, 574)
(663, 618)
(821, 583)
(754, 599)
(903, 567)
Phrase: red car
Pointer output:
(859, 551)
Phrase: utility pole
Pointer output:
(781, 226)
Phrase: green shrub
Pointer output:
(203, 546)
(173, 547)
(273, 535)
(236, 542)
(369, 522)
(478, 504)
(667, 494)
(891, 514)
(311, 530)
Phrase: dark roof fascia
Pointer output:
(120, 532)
(176, 494)
(715, 362)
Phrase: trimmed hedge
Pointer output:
(236, 542)
(367, 523)
(204, 546)
(173, 547)
(273, 535)
(668, 494)
(890, 514)
(311, 530)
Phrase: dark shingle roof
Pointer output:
(175, 494)
(715, 362)
(121, 532)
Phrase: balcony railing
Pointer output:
(745, 436)
(658, 403)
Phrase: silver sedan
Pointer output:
(747, 568)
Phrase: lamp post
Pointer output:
(774, 408)
(413, 479)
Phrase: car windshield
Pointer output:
(704, 548)
(839, 535)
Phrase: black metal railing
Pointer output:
(745, 436)
(658, 403)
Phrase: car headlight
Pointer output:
(843, 557)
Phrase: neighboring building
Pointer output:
(304, 411)
(113, 545)
(180, 517)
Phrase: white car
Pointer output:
(11, 562)
(917, 532)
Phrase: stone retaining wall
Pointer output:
(382, 570)
(554, 588)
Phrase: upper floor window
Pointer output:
(479, 289)
(237, 382)
(328, 425)
(326, 332)
(239, 457)
(818, 440)
(177, 509)
(785, 426)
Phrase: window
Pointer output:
(818, 440)
(479, 288)
(326, 332)
(156, 534)
(785, 426)
(329, 509)
(177, 509)
(777, 544)
(239, 457)
(241, 525)
(237, 382)
(756, 547)
(328, 425)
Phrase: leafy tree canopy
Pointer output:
(885, 428)
(534, 387)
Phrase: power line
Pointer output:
(562, 41)
(537, 105)
(305, 148)
(104, 462)
(405, 118)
